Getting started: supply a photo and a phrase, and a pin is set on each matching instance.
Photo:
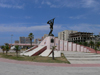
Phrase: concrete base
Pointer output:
(56, 54)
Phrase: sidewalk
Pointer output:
(48, 64)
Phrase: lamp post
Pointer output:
(63, 40)
(63, 35)
(11, 39)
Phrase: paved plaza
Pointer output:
(14, 67)
(23, 69)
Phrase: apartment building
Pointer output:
(24, 40)
(64, 35)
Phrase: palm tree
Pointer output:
(85, 44)
(97, 44)
(17, 50)
(53, 48)
(3, 48)
(31, 37)
(7, 48)
(96, 50)
(91, 43)
(80, 43)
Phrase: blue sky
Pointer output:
(20, 17)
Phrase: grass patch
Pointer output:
(61, 59)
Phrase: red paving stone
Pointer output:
(48, 64)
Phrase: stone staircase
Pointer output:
(82, 58)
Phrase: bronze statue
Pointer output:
(51, 22)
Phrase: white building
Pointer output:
(45, 35)
(64, 35)
(24, 40)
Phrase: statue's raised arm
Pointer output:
(51, 22)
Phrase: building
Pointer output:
(45, 35)
(39, 41)
(96, 38)
(99, 34)
(64, 35)
(80, 36)
(42, 38)
(16, 41)
(27, 40)
(24, 40)
(35, 41)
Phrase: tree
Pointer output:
(7, 48)
(31, 37)
(53, 48)
(91, 43)
(17, 50)
(3, 48)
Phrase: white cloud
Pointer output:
(72, 3)
(86, 28)
(16, 28)
(36, 1)
(5, 5)
(78, 17)
(11, 4)
(27, 17)
(23, 27)
(89, 3)
(57, 28)
(46, 2)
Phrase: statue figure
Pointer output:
(51, 22)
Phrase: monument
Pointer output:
(45, 47)
(51, 22)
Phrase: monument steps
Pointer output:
(30, 49)
(81, 57)
(32, 52)
(85, 62)
(82, 54)
(87, 56)
(84, 59)
(39, 51)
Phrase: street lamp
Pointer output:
(11, 39)
(63, 40)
